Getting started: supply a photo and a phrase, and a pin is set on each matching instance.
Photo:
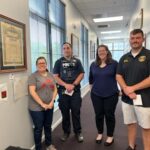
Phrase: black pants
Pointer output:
(73, 103)
(105, 108)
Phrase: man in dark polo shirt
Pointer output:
(68, 72)
(133, 75)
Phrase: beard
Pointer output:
(136, 46)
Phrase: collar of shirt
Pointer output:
(136, 54)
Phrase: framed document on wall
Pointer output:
(138, 23)
(12, 45)
(147, 40)
(92, 50)
(75, 45)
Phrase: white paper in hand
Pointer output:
(138, 100)
(69, 93)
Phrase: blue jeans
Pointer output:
(42, 119)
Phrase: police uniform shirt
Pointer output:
(134, 70)
(68, 70)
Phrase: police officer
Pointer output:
(68, 72)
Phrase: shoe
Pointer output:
(99, 139)
(108, 144)
(130, 148)
(51, 147)
(64, 137)
(79, 137)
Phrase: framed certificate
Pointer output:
(92, 50)
(147, 40)
(75, 45)
(12, 45)
(138, 23)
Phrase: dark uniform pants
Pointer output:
(73, 103)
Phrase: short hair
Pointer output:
(68, 44)
(136, 31)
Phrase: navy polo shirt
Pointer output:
(103, 80)
(134, 70)
(68, 70)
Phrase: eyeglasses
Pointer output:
(42, 63)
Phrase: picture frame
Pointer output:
(147, 41)
(12, 45)
(92, 50)
(75, 45)
(138, 23)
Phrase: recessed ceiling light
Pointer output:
(108, 19)
(110, 32)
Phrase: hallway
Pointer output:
(89, 132)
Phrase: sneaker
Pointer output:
(64, 137)
(51, 147)
(130, 148)
(79, 137)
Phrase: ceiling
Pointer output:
(107, 8)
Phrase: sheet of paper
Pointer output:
(69, 93)
(20, 87)
(138, 100)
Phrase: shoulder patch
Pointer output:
(125, 60)
(142, 58)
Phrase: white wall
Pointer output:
(146, 17)
(15, 123)
(15, 127)
(145, 5)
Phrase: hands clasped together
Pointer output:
(130, 91)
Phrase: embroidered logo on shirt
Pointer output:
(142, 58)
(126, 61)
